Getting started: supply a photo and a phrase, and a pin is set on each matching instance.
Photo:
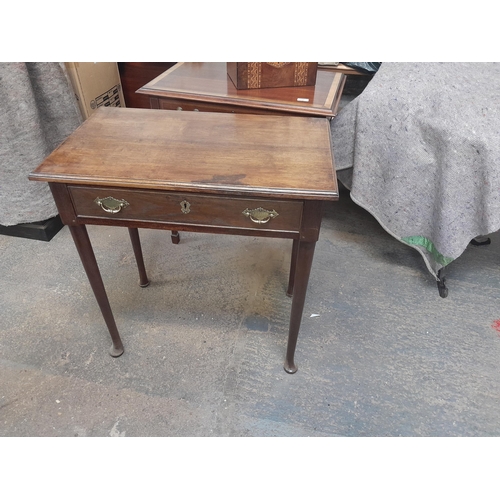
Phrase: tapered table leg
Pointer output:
(303, 269)
(86, 252)
(136, 245)
(293, 266)
(175, 237)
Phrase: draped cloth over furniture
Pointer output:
(420, 150)
(38, 110)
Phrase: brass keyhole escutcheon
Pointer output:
(185, 207)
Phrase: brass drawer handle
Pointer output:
(111, 205)
(260, 215)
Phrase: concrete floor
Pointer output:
(380, 353)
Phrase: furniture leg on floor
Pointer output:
(84, 247)
(136, 245)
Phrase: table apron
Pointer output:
(172, 226)
(238, 106)
(186, 209)
(302, 218)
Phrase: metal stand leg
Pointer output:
(480, 241)
(136, 245)
(441, 281)
(441, 284)
(86, 252)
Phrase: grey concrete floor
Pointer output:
(380, 353)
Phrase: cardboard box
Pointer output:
(260, 75)
(95, 85)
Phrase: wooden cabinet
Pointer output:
(134, 75)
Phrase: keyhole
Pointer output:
(185, 207)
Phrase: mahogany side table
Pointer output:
(205, 86)
(209, 172)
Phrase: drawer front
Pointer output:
(184, 105)
(182, 208)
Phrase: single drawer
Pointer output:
(183, 208)
(185, 105)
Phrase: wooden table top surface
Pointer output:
(209, 82)
(218, 153)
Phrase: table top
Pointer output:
(209, 82)
(267, 156)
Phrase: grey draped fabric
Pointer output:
(420, 150)
(38, 110)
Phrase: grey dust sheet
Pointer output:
(420, 150)
(38, 110)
